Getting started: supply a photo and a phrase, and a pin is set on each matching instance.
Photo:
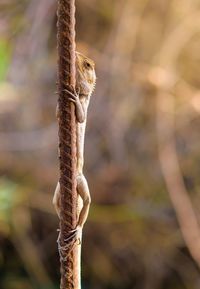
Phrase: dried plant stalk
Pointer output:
(67, 144)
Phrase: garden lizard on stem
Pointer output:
(80, 96)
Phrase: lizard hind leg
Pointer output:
(57, 203)
(83, 191)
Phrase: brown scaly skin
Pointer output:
(85, 84)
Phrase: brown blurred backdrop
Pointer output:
(142, 153)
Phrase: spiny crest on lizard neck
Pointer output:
(85, 74)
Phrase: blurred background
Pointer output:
(142, 153)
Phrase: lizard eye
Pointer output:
(87, 65)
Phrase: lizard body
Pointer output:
(85, 83)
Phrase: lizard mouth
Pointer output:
(94, 84)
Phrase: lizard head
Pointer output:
(85, 74)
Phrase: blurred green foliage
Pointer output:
(5, 55)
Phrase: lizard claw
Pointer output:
(72, 100)
(75, 234)
(71, 235)
(74, 97)
(71, 90)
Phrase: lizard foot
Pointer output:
(76, 235)
(74, 95)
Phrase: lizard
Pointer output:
(80, 97)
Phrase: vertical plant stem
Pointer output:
(67, 143)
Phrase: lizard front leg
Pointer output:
(79, 105)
